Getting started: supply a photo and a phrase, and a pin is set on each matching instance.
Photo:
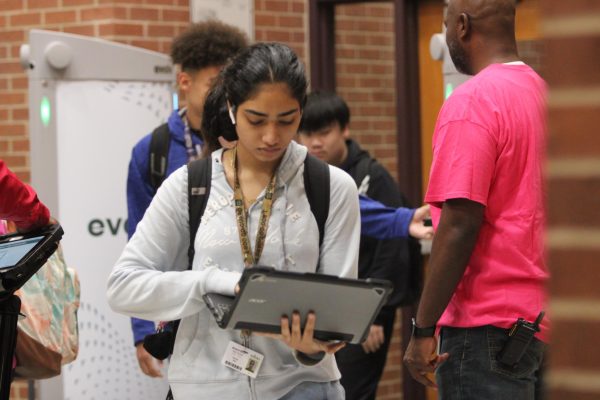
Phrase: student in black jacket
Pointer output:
(325, 131)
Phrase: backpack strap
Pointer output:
(199, 179)
(316, 185)
(159, 155)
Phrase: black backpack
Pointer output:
(408, 282)
(316, 184)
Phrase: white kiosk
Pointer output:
(90, 101)
(438, 49)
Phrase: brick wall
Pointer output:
(151, 25)
(572, 44)
(365, 77)
(365, 71)
(365, 61)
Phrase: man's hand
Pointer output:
(420, 358)
(303, 341)
(374, 340)
(417, 228)
(148, 364)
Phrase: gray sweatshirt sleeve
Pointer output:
(150, 279)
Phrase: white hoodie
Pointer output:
(151, 281)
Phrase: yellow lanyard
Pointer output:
(242, 217)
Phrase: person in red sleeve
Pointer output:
(19, 202)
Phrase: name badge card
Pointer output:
(242, 359)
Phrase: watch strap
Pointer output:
(419, 332)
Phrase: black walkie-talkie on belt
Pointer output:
(519, 337)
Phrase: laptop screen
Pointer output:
(14, 250)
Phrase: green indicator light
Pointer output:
(449, 90)
(45, 111)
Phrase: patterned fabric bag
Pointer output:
(48, 336)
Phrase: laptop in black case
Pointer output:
(345, 308)
(22, 254)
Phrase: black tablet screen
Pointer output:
(12, 251)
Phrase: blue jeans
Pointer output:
(473, 373)
(316, 391)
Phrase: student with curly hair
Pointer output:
(199, 53)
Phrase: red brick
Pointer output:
(298, 37)
(566, 275)
(20, 83)
(176, 15)
(9, 5)
(291, 22)
(274, 5)
(261, 20)
(11, 129)
(12, 36)
(573, 354)
(374, 11)
(60, 17)
(26, 19)
(345, 24)
(15, 161)
(380, 40)
(3, 21)
(570, 133)
(342, 52)
(161, 30)
(98, 13)
(260, 36)
(20, 145)
(144, 14)
(10, 67)
(12, 98)
(298, 7)
(568, 197)
(370, 139)
(349, 10)
(278, 36)
(582, 68)
(162, 2)
(3, 147)
(67, 3)
(366, 26)
(121, 29)
(86, 30)
(19, 114)
(33, 4)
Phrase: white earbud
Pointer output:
(231, 116)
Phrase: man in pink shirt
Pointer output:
(487, 267)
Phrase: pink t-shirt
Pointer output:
(488, 147)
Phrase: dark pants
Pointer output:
(361, 371)
(473, 373)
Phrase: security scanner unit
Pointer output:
(90, 101)
(439, 51)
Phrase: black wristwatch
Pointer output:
(419, 332)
